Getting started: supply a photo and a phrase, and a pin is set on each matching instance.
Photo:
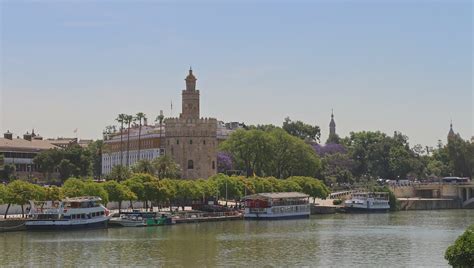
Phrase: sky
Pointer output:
(381, 65)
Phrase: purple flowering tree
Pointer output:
(224, 162)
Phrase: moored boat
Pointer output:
(70, 213)
(368, 202)
(138, 218)
(269, 206)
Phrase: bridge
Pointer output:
(464, 192)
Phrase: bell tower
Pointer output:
(190, 98)
(332, 125)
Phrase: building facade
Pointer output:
(21, 152)
(190, 140)
(115, 146)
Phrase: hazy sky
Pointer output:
(396, 65)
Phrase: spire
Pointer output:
(332, 124)
(451, 131)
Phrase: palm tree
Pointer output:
(139, 117)
(121, 119)
(160, 118)
(128, 121)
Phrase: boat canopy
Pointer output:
(82, 199)
(281, 195)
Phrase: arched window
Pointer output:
(190, 164)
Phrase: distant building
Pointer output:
(332, 125)
(451, 133)
(21, 152)
(333, 137)
(115, 147)
(190, 140)
(225, 129)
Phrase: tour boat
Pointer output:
(276, 206)
(138, 218)
(368, 202)
(70, 213)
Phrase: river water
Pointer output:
(401, 239)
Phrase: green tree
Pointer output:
(143, 166)
(290, 156)
(73, 187)
(119, 173)
(302, 130)
(250, 150)
(118, 192)
(3, 193)
(20, 192)
(92, 188)
(461, 156)
(166, 167)
(53, 193)
(461, 254)
(311, 186)
(95, 149)
(333, 138)
(66, 169)
(8, 172)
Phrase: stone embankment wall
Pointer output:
(429, 204)
(403, 191)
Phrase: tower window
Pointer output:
(190, 141)
(177, 141)
(213, 165)
(204, 142)
(190, 164)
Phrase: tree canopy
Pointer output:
(271, 153)
(461, 254)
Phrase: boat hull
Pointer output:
(275, 217)
(61, 225)
(366, 210)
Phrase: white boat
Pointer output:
(368, 202)
(276, 206)
(70, 213)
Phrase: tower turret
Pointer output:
(190, 101)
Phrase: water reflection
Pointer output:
(398, 239)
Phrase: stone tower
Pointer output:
(192, 141)
(332, 125)
(190, 98)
